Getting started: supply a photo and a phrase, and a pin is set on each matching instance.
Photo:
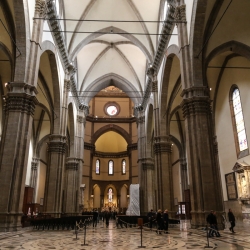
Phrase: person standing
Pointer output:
(159, 219)
(95, 216)
(165, 221)
(150, 218)
(231, 218)
(216, 226)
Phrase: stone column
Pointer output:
(54, 175)
(141, 154)
(20, 103)
(204, 172)
(184, 180)
(33, 176)
(81, 202)
(148, 181)
(164, 176)
(71, 195)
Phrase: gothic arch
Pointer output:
(105, 81)
(114, 128)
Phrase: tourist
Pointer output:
(159, 219)
(210, 221)
(95, 216)
(215, 231)
(150, 218)
(165, 221)
(231, 219)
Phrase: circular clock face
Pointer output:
(112, 110)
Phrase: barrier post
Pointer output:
(140, 224)
(84, 244)
(207, 238)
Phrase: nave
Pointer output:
(181, 237)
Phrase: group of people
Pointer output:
(212, 221)
(161, 219)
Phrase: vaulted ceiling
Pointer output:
(106, 48)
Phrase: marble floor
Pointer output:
(179, 237)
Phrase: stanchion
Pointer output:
(76, 234)
(84, 244)
(207, 240)
(140, 224)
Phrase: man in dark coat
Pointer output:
(165, 221)
(231, 218)
(151, 218)
(95, 216)
(210, 221)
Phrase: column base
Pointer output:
(10, 222)
(199, 219)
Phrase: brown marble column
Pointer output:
(20, 103)
(204, 172)
(54, 175)
(71, 186)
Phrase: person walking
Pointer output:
(165, 221)
(231, 219)
(210, 221)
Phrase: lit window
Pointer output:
(112, 110)
(123, 167)
(239, 120)
(97, 166)
(110, 195)
(111, 167)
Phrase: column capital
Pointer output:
(141, 119)
(180, 13)
(196, 105)
(81, 119)
(40, 8)
(85, 108)
(57, 144)
(148, 163)
(20, 97)
(162, 144)
(71, 163)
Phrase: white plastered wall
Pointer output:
(223, 121)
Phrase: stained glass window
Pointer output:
(110, 195)
(123, 167)
(111, 167)
(239, 120)
(97, 166)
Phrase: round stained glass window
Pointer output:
(112, 110)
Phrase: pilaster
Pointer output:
(19, 108)
(71, 195)
(54, 175)
(163, 150)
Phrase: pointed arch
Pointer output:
(114, 128)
